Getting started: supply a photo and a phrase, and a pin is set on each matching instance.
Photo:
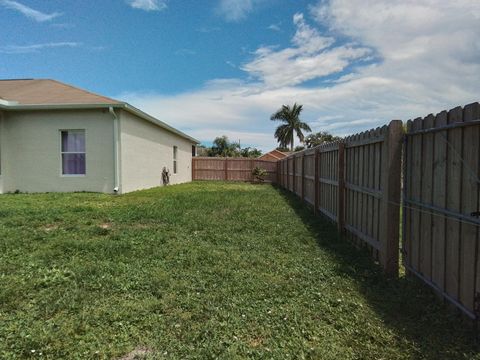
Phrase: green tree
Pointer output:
(224, 148)
(250, 152)
(292, 126)
(319, 138)
(202, 150)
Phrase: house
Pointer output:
(56, 137)
(273, 155)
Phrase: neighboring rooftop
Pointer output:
(48, 92)
(273, 155)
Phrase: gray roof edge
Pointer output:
(120, 105)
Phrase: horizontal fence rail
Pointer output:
(356, 184)
(231, 169)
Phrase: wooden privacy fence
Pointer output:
(441, 204)
(230, 169)
(355, 183)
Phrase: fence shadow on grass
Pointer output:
(405, 305)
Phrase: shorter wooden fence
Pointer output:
(231, 169)
(356, 184)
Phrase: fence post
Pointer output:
(294, 183)
(251, 170)
(193, 168)
(226, 169)
(278, 172)
(302, 191)
(279, 169)
(281, 173)
(317, 157)
(288, 175)
(390, 208)
(341, 188)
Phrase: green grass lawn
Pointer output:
(203, 270)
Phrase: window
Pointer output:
(175, 159)
(73, 152)
(194, 151)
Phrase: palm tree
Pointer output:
(285, 133)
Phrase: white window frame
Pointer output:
(72, 152)
(175, 160)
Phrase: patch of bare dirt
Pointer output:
(256, 342)
(137, 354)
(49, 227)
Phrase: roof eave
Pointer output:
(119, 105)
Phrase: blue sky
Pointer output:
(110, 46)
(223, 66)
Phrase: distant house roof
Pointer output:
(273, 155)
(44, 94)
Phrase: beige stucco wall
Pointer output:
(145, 150)
(30, 151)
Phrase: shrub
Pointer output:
(259, 174)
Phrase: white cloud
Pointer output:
(274, 27)
(433, 46)
(236, 10)
(28, 11)
(23, 49)
(148, 5)
(312, 56)
(427, 59)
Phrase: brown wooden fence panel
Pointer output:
(355, 183)
(231, 169)
(372, 191)
(298, 174)
(290, 178)
(239, 169)
(208, 168)
(309, 177)
(441, 203)
(328, 180)
(270, 166)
